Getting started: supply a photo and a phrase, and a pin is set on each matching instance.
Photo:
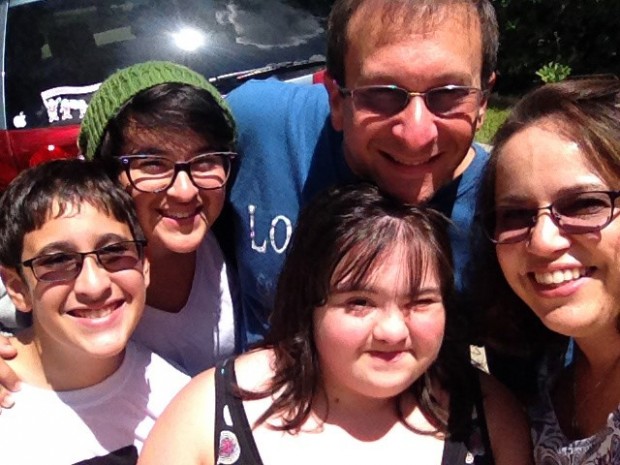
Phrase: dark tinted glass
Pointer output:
(65, 266)
(57, 51)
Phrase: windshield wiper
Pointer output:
(266, 71)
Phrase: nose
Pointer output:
(546, 237)
(416, 126)
(182, 189)
(391, 326)
(93, 282)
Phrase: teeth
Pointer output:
(559, 277)
(179, 216)
(92, 314)
(409, 163)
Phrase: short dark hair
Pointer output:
(398, 13)
(169, 105)
(343, 234)
(586, 111)
(30, 198)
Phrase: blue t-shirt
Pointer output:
(290, 152)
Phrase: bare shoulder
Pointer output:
(254, 369)
(184, 431)
(507, 423)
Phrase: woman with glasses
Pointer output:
(364, 362)
(550, 206)
(169, 137)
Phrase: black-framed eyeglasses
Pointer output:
(575, 213)
(156, 173)
(66, 266)
(389, 100)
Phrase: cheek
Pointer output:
(457, 131)
(146, 211)
(508, 256)
(50, 298)
(213, 202)
(428, 330)
(333, 334)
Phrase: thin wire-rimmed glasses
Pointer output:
(66, 266)
(156, 173)
(575, 213)
(389, 100)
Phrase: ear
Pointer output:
(483, 106)
(336, 101)
(16, 288)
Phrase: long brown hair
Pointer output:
(341, 235)
(586, 111)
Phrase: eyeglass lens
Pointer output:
(65, 266)
(152, 173)
(575, 214)
(441, 101)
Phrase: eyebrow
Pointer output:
(574, 189)
(66, 246)
(154, 150)
(346, 288)
(457, 78)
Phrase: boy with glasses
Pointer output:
(405, 90)
(72, 254)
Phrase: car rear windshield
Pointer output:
(57, 52)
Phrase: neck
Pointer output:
(362, 417)
(595, 388)
(46, 365)
(172, 277)
(598, 354)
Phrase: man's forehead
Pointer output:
(380, 23)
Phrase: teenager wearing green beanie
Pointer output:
(169, 138)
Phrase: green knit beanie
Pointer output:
(117, 89)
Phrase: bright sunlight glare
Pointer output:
(188, 39)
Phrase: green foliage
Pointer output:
(553, 72)
(498, 110)
(582, 35)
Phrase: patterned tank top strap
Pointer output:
(233, 439)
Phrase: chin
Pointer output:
(107, 349)
(180, 243)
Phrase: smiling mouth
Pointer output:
(181, 215)
(387, 356)
(562, 276)
(411, 163)
(93, 314)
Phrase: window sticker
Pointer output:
(19, 121)
(67, 103)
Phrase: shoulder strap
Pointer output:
(480, 423)
(476, 450)
(233, 438)
(454, 453)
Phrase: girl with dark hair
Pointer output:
(550, 208)
(363, 360)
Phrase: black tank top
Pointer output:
(234, 442)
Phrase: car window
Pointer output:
(57, 52)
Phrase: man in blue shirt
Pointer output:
(405, 90)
